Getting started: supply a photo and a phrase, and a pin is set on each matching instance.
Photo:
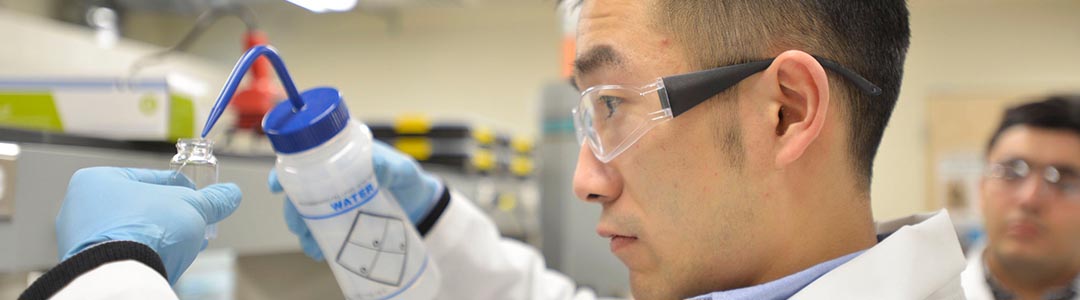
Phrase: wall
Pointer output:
(30, 7)
(1017, 47)
(486, 62)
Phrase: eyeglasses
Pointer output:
(1062, 180)
(611, 118)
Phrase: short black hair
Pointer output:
(870, 37)
(1059, 112)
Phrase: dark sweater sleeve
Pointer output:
(68, 270)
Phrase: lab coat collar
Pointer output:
(974, 276)
(919, 258)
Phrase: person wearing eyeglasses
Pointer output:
(730, 144)
(1030, 203)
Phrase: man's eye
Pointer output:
(611, 103)
(1011, 174)
(1069, 184)
(1016, 169)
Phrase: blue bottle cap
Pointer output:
(323, 116)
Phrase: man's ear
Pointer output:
(802, 100)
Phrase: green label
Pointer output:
(181, 117)
(148, 104)
(35, 111)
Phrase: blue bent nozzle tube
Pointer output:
(238, 73)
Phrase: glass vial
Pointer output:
(195, 163)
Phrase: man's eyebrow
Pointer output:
(602, 56)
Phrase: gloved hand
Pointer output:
(415, 190)
(150, 207)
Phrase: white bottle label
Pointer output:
(368, 241)
(376, 249)
(338, 205)
(355, 200)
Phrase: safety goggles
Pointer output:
(1063, 181)
(611, 118)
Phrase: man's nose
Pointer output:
(595, 181)
(1034, 192)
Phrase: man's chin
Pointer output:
(649, 286)
(1020, 254)
(641, 289)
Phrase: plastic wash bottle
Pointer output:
(324, 163)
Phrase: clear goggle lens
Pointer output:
(611, 118)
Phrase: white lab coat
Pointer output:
(120, 280)
(974, 276)
(920, 261)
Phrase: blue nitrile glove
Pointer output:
(150, 207)
(415, 190)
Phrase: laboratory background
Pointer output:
(476, 90)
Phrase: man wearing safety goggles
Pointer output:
(743, 172)
(1030, 200)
